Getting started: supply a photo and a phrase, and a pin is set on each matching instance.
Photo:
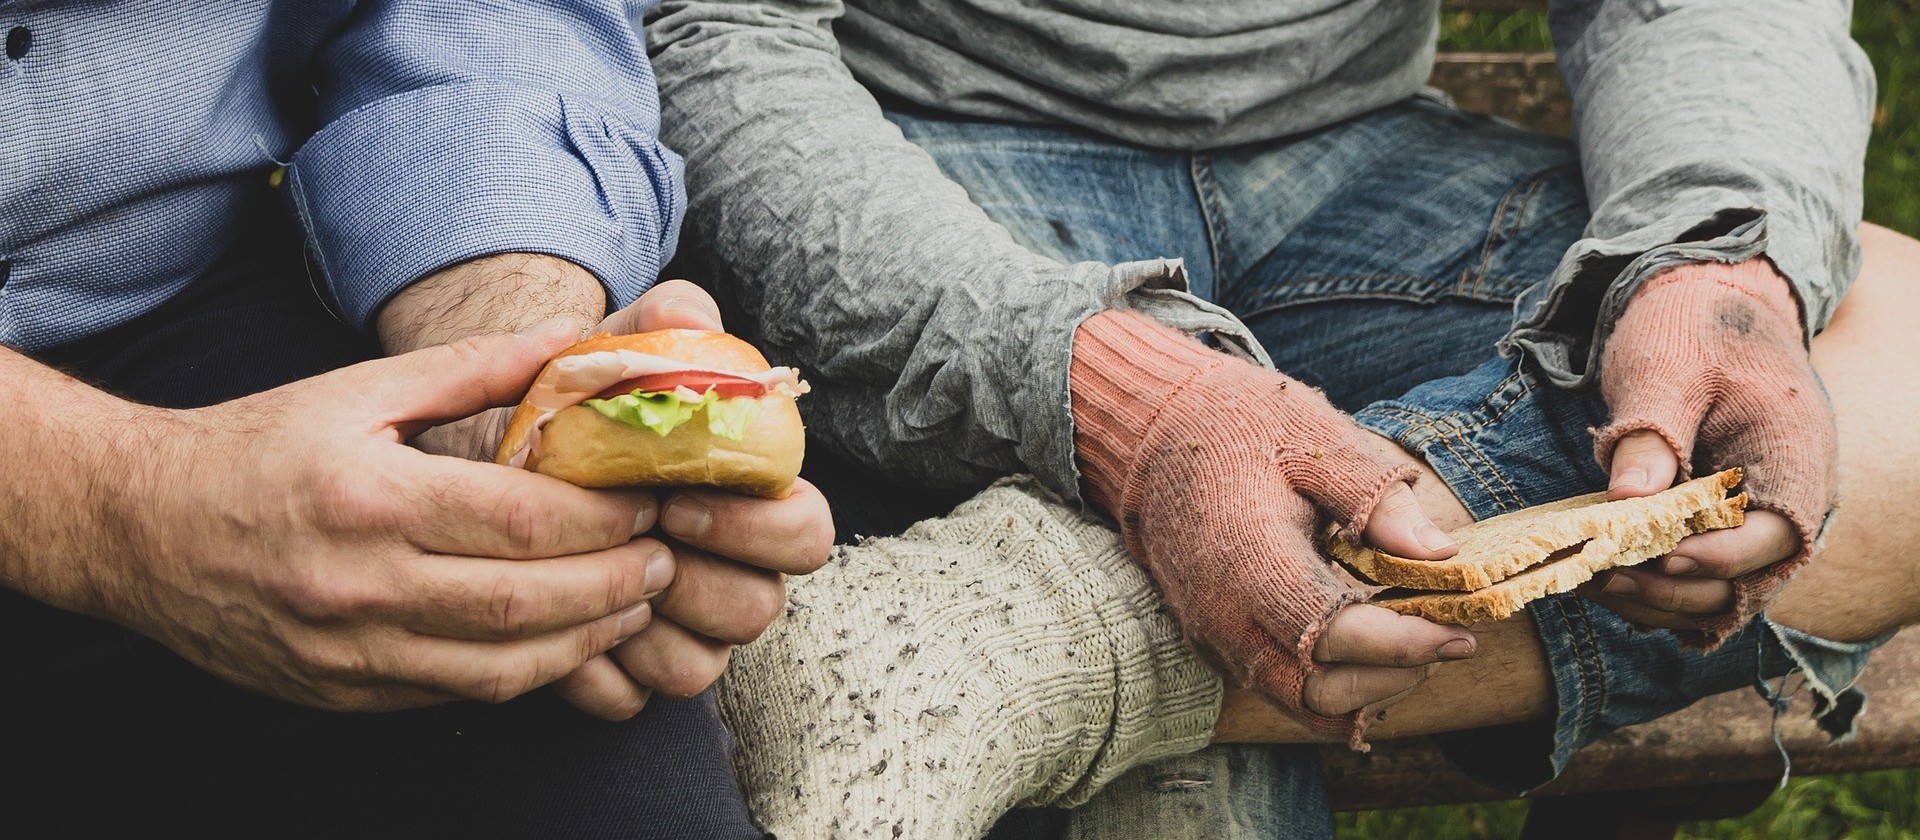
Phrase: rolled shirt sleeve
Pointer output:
(1709, 130)
(455, 131)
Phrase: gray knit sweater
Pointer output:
(1708, 129)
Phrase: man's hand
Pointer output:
(1219, 473)
(291, 542)
(1373, 657)
(498, 293)
(729, 551)
(1711, 358)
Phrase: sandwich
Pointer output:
(1506, 561)
(662, 408)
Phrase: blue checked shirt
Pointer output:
(419, 135)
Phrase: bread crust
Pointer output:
(1506, 561)
(1564, 570)
(1498, 547)
(581, 446)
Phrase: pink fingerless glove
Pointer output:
(1716, 350)
(1212, 467)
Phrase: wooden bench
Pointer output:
(1713, 760)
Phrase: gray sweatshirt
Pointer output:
(938, 348)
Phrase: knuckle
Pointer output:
(318, 597)
(1670, 599)
(1410, 655)
(510, 610)
(625, 576)
(619, 704)
(627, 705)
(471, 349)
(814, 548)
(503, 683)
(525, 530)
(1320, 697)
(689, 675)
(756, 608)
(345, 501)
(1397, 500)
(333, 664)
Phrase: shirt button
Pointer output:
(19, 40)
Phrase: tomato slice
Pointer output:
(698, 381)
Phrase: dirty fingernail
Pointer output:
(1432, 538)
(1621, 585)
(632, 620)
(644, 517)
(1457, 649)
(1677, 565)
(659, 572)
(686, 518)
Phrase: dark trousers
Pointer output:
(104, 732)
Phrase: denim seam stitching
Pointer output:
(1594, 684)
(1504, 495)
(1276, 300)
(1207, 190)
(1486, 462)
(1285, 295)
(1486, 249)
(1420, 422)
(1526, 190)
(1487, 409)
(1495, 415)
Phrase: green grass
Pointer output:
(1889, 31)
(1864, 806)
(1861, 806)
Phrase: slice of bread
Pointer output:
(1562, 571)
(1500, 547)
(1508, 560)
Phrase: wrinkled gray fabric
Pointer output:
(1708, 130)
(939, 347)
(1179, 75)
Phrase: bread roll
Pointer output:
(581, 446)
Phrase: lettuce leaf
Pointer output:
(664, 411)
(729, 418)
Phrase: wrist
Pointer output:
(144, 459)
(90, 456)
(1126, 370)
(499, 293)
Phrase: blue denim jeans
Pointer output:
(1378, 259)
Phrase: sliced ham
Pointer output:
(575, 379)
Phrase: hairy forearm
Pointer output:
(500, 293)
(75, 456)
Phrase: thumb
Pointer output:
(1642, 463)
(1649, 441)
(674, 304)
(450, 381)
(1399, 527)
